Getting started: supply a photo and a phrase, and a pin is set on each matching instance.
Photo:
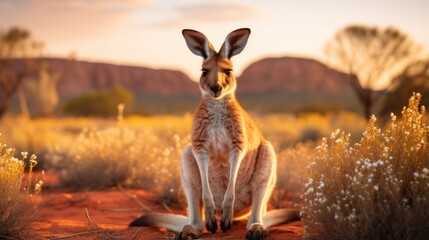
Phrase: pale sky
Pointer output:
(148, 32)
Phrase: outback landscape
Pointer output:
(88, 145)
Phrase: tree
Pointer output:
(414, 78)
(370, 56)
(17, 52)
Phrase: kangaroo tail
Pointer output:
(279, 216)
(169, 221)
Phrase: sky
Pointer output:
(148, 32)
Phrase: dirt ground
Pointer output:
(106, 214)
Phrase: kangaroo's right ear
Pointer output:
(198, 43)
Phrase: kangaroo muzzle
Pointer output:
(216, 90)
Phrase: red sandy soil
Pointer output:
(62, 216)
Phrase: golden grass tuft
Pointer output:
(18, 203)
(377, 188)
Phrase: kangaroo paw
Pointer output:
(226, 221)
(188, 232)
(256, 232)
(211, 224)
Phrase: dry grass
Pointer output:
(377, 188)
(100, 159)
(18, 203)
(145, 158)
(144, 152)
(285, 130)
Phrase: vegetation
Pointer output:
(109, 153)
(16, 43)
(375, 189)
(42, 93)
(18, 203)
(99, 103)
(127, 156)
(145, 152)
(414, 78)
(370, 55)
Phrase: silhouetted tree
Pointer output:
(414, 78)
(17, 52)
(370, 56)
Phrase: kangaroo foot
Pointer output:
(256, 232)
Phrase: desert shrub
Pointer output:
(100, 158)
(101, 103)
(18, 203)
(121, 155)
(377, 188)
(162, 171)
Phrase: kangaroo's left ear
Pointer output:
(234, 42)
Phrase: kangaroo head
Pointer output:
(217, 78)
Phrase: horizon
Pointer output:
(145, 33)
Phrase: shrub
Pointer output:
(377, 188)
(120, 155)
(163, 169)
(102, 103)
(101, 158)
(18, 204)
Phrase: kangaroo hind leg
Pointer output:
(191, 183)
(262, 184)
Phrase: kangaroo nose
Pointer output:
(215, 88)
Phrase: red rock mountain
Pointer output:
(291, 75)
(78, 77)
(271, 75)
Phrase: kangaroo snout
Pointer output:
(216, 89)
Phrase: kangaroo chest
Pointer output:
(219, 145)
(217, 130)
(218, 137)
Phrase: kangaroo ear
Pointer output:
(235, 42)
(198, 43)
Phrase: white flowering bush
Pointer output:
(18, 203)
(101, 158)
(377, 188)
(159, 170)
(129, 157)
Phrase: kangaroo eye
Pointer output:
(228, 72)
(204, 72)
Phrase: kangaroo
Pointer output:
(229, 165)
